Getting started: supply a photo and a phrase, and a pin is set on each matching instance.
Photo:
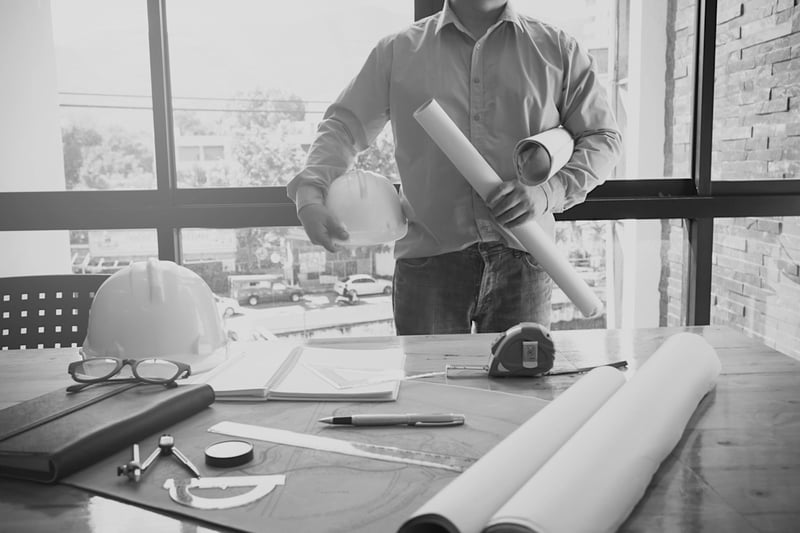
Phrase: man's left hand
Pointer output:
(512, 203)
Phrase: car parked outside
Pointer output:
(114, 266)
(362, 285)
(101, 265)
(268, 292)
(227, 306)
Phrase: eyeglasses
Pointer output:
(101, 369)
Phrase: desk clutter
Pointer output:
(578, 463)
(380, 452)
(322, 489)
(597, 446)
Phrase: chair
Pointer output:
(46, 311)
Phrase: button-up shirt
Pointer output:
(520, 78)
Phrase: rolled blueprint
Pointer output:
(594, 481)
(469, 501)
(551, 149)
(484, 179)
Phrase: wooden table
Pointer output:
(737, 467)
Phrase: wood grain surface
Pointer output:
(737, 467)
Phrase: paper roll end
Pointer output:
(428, 523)
(423, 107)
(534, 164)
(593, 311)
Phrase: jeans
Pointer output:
(487, 284)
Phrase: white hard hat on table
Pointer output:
(156, 309)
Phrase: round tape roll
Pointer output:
(229, 453)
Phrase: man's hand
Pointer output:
(405, 206)
(512, 203)
(321, 226)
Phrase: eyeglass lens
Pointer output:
(103, 368)
(96, 368)
(156, 369)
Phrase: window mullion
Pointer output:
(700, 230)
(703, 120)
(166, 174)
(699, 251)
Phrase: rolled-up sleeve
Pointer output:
(586, 113)
(348, 127)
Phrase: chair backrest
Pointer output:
(46, 311)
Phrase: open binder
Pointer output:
(285, 370)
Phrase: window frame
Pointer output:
(697, 199)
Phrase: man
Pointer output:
(501, 77)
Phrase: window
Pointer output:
(635, 267)
(189, 153)
(277, 68)
(104, 96)
(107, 251)
(643, 67)
(213, 153)
(104, 151)
(756, 131)
(600, 56)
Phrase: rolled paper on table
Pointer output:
(595, 480)
(550, 149)
(469, 501)
(484, 180)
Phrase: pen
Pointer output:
(409, 419)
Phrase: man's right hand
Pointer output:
(322, 226)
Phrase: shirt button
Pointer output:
(476, 80)
(476, 117)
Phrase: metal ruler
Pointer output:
(358, 449)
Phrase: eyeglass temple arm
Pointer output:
(80, 386)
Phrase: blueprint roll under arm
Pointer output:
(550, 150)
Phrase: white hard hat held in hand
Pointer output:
(368, 206)
(156, 309)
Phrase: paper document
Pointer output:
(583, 462)
(285, 370)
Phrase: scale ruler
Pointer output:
(358, 449)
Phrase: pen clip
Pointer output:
(444, 420)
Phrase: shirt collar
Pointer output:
(448, 16)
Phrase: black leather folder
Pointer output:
(53, 435)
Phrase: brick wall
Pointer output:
(756, 277)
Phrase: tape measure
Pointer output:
(523, 350)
